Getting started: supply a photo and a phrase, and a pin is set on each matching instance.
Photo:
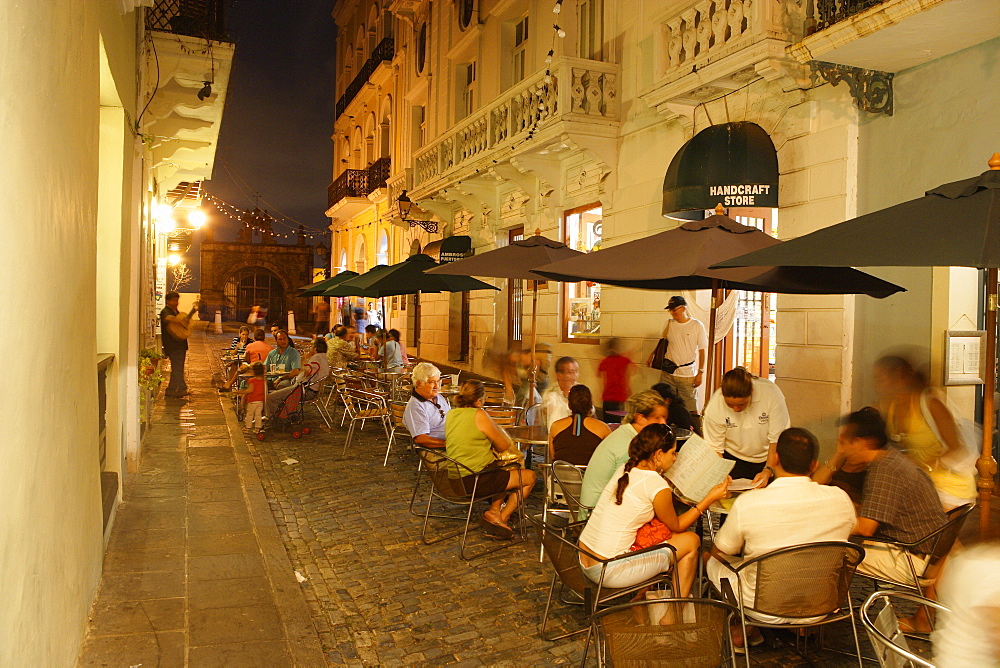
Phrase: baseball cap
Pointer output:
(676, 301)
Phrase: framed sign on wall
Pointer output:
(964, 363)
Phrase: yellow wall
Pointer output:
(51, 527)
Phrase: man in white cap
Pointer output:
(688, 343)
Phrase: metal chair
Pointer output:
(798, 582)
(314, 397)
(446, 476)
(495, 394)
(697, 635)
(532, 415)
(503, 416)
(568, 478)
(361, 406)
(564, 554)
(888, 641)
(937, 544)
(396, 410)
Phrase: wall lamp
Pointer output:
(405, 204)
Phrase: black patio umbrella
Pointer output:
(405, 278)
(515, 261)
(319, 287)
(955, 224)
(681, 259)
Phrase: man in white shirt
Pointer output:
(687, 343)
(555, 401)
(792, 510)
(742, 422)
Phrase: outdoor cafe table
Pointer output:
(528, 436)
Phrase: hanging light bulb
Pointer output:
(558, 7)
(548, 57)
(559, 31)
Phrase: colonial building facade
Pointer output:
(109, 107)
(502, 117)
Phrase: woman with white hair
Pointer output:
(426, 410)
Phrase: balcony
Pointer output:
(894, 35)
(383, 52)
(348, 194)
(704, 49)
(194, 18)
(580, 104)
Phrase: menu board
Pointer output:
(963, 357)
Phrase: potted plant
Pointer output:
(150, 374)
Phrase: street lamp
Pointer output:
(405, 204)
(197, 218)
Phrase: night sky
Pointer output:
(276, 127)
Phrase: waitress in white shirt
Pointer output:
(743, 420)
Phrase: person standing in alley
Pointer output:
(321, 313)
(687, 345)
(174, 347)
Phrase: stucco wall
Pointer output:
(944, 129)
(50, 528)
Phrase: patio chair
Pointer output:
(532, 415)
(445, 475)
(941, 541)
(888, 641)
(556, 508)
(632, 635)
(564, 554)
(797, 582)
(568, 478)
(316, 400)
(399, 430)
(503, 416)
(362, 406)
(495, 394)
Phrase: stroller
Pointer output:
(289, 415)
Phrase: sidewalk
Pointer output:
(196, 572)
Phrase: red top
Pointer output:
(258, 389)
(614, 368)
(257, 352)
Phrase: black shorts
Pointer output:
(493, 480)
(743, 468)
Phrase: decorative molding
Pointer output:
(871, 89)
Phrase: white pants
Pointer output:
(255, 412)
(631, 570)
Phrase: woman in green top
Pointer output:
(470, 433)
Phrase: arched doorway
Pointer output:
(255, 286)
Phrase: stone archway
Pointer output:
(255, 286)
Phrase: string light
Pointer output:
(558, 7)
(239, 215)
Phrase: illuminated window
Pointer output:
(591, 17)
(582, 231)
(469, 92)
(520, 49)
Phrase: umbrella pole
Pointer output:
(534, 341)
(710, 370)
(986, 465)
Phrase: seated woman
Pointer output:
(390, 352)
(470, 438)
(635, 495)
(241, 341)
(573, 439)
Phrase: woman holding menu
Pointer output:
(635, 495)
(743, 420)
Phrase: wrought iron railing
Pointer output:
(385, 50)
(828, 12)
(378, 174)
(352, 183)
(195, 18)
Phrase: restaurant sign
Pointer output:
(733, 164)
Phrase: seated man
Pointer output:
(284, 354)
(314, 372)
(792, 510)
(898, 503)
(555, 401)
(342, 350)
(425, 411)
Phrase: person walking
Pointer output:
(687, 345)
(321, 314)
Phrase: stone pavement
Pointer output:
(202, 560)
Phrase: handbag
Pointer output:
(660, 360)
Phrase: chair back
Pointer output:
(696, 633)
(503, 416)
(495, 394)
(811, 580)
(569, 478)
(445, 474)
(888, 641)
(532, 415)
(562, 553)
(396, 410)
(948, 534)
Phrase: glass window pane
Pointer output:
(583, 231)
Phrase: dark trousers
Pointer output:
(177, 384)
(743, 468)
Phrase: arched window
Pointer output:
(382, 256)
(421, 48)
(360, 255)
(343, 261)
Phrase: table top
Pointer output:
(534, 434)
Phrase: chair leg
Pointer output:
(392, 434)
(350, 434)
